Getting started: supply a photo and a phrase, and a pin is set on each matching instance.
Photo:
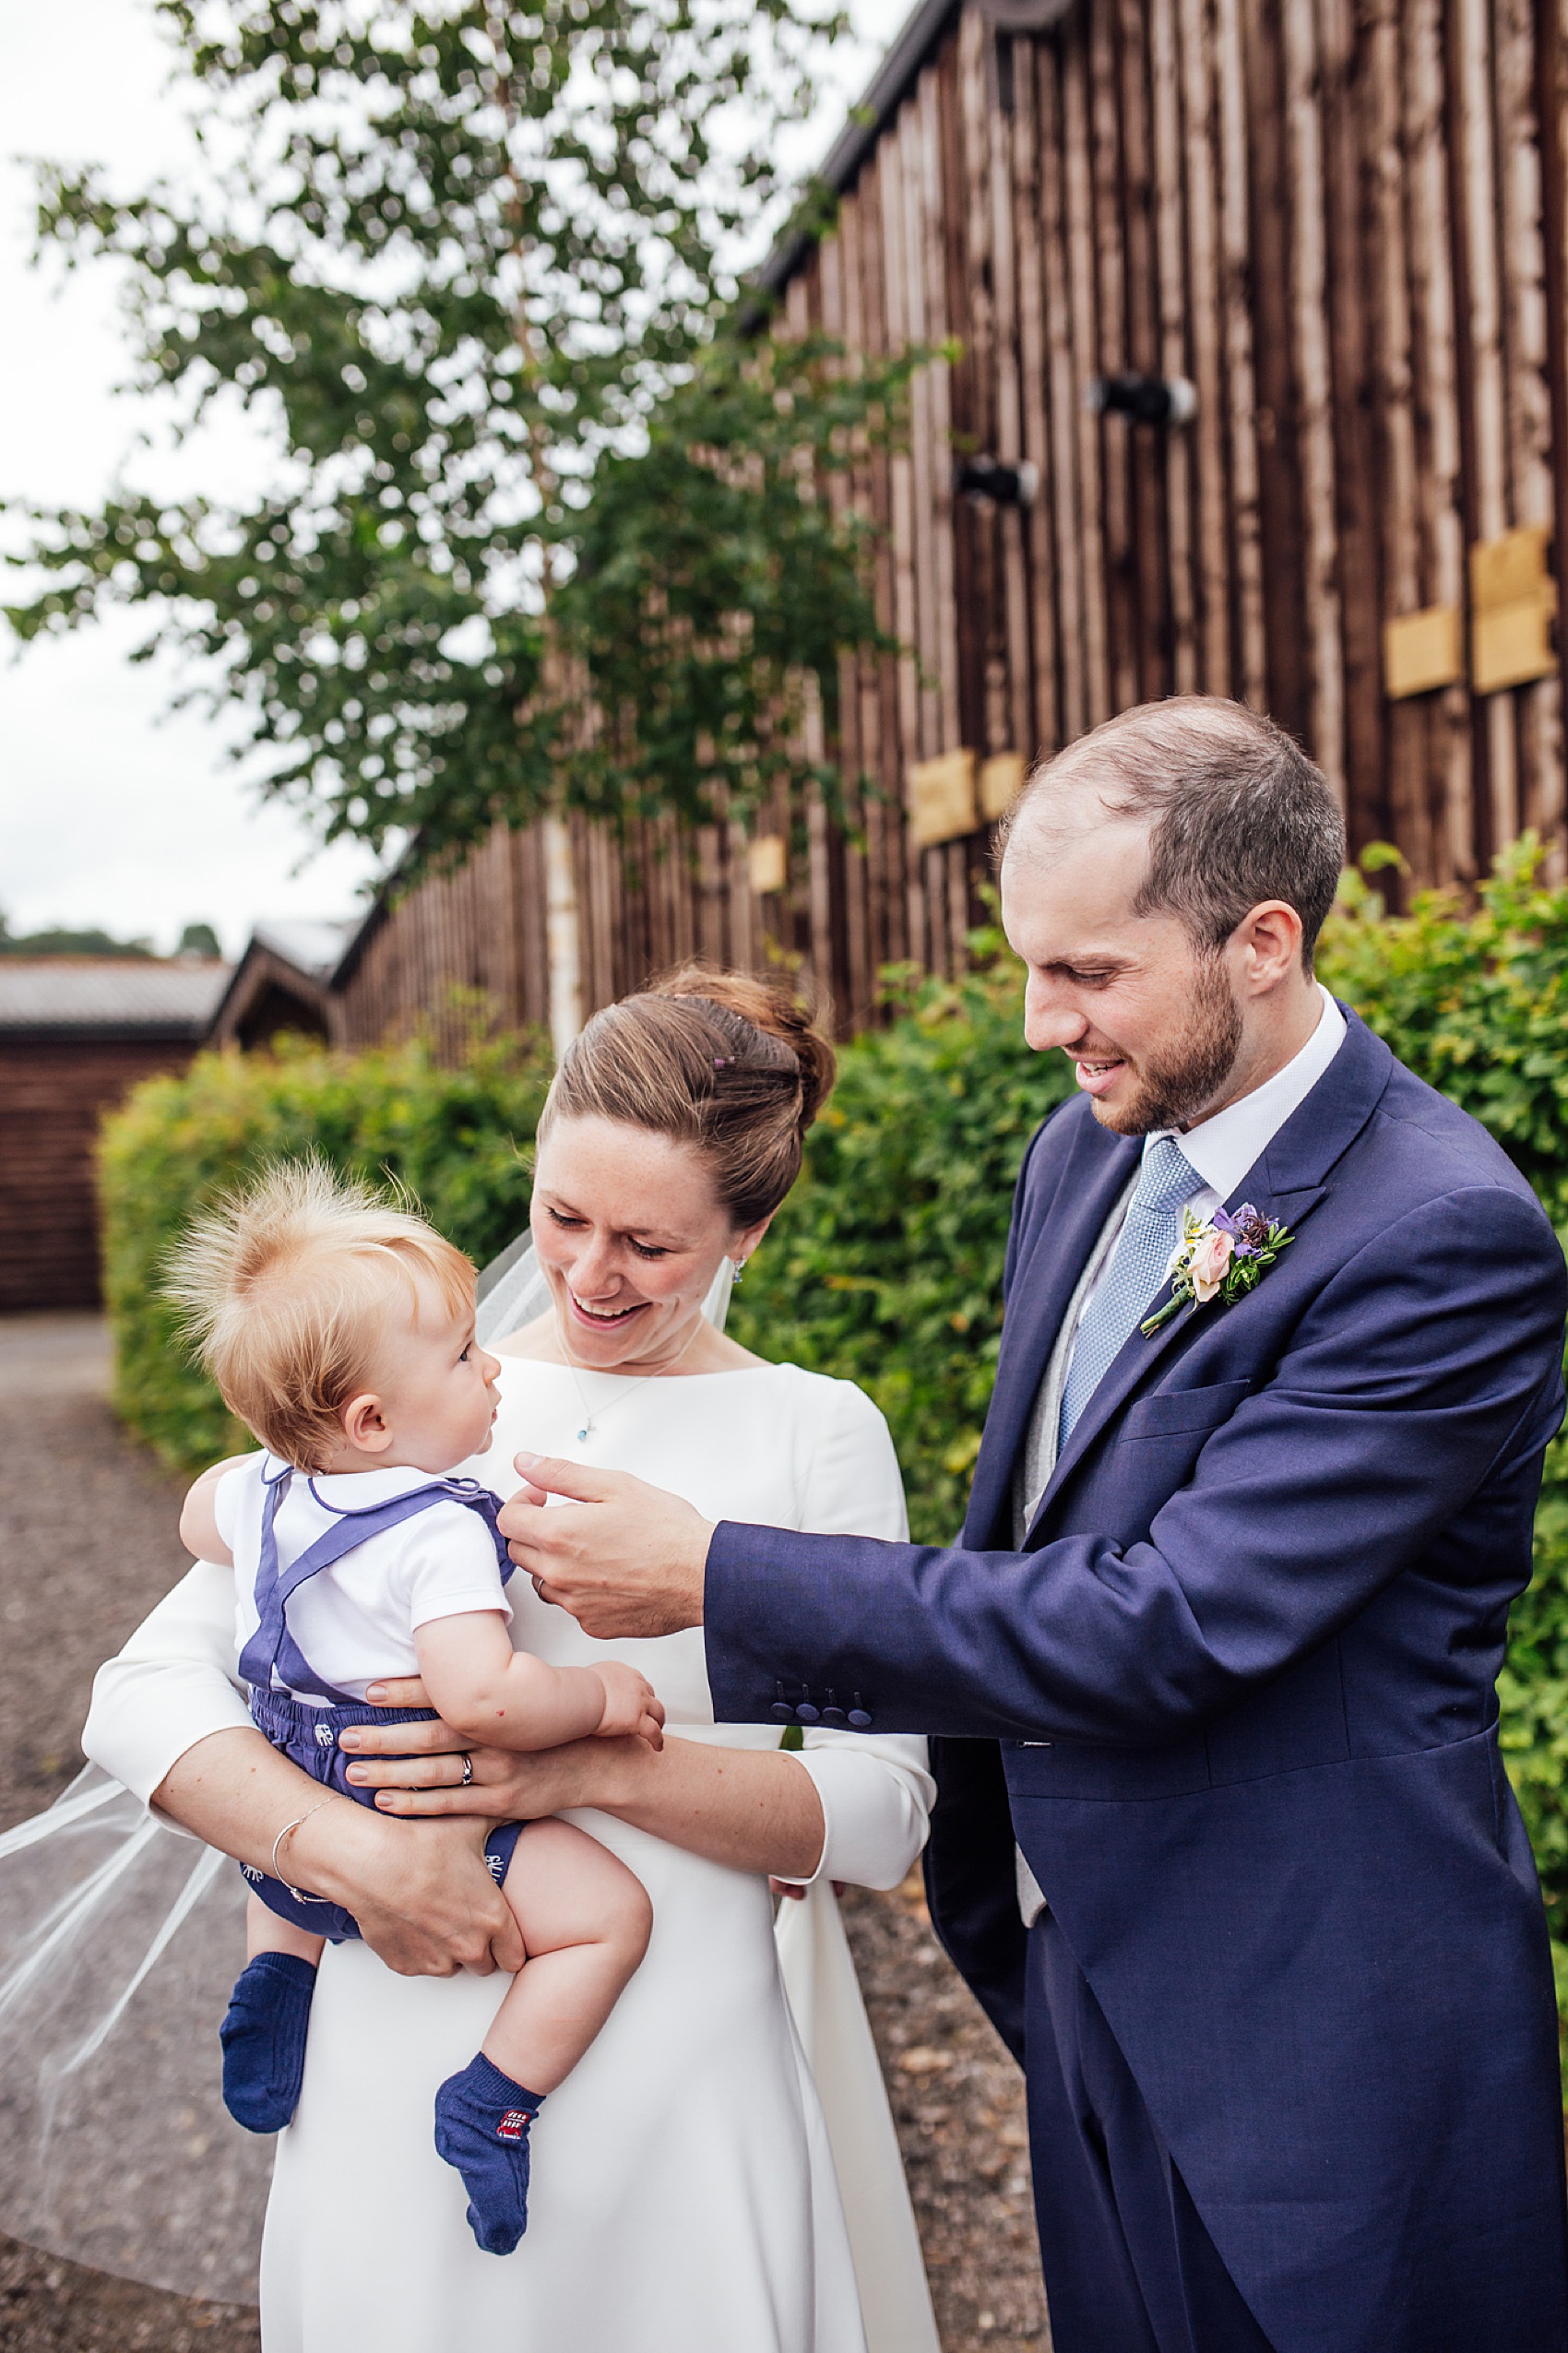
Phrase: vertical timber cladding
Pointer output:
(1345, 222)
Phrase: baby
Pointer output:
(340, 1329)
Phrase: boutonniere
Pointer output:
(1220, 1257)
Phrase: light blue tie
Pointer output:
(1125, 1292)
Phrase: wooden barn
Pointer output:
(1262, 391)
(284, 982)
(76, 1034)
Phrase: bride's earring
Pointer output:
(739, 1267)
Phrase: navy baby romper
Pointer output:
(309, 1735)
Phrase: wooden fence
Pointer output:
(1343, 221)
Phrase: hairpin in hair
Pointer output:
(721, 1061)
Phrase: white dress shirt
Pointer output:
(1221, 1150)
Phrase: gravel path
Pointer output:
(71, 1481)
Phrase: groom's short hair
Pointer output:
(1238, 812)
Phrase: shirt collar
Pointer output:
(358, 1491)
(1223, 1148)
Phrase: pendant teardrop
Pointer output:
(581, 1435)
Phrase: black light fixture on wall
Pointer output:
(1145, 399)
(1003, 485)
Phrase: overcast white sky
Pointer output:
(112, 813)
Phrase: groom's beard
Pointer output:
(1177, 1087)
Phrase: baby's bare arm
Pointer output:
(484, 1688)
(198, 1526)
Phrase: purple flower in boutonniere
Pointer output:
(1219, 1257)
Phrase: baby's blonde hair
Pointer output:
(288, 1285)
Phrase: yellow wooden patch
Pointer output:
(1001, 781)
(942, 797)
(1422, 650)
(1511, 644)
(1510, 570)
(767, 862)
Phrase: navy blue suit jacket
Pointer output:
(1235, 1698)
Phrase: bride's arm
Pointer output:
(420, 1892)
(875, 1792)
(176, 1682)
(755, 1810)
(168, 1719)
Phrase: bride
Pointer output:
(695, 2188)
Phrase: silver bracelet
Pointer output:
(299, 1821)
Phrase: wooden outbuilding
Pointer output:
(75, 1035)
(1261, 391)
(284, 985)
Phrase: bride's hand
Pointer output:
(418, 1769)
(424, 1897)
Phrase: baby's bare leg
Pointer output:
(265, 1932)
(584, 1920)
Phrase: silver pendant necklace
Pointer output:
(593, 1417)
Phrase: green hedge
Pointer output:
(455, 1134)
(885, 1264)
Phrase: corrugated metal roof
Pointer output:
(70, 993)
(311, 944)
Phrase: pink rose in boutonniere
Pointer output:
(1220, 1257)
(1206, 1262)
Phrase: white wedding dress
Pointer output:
(685, 2194)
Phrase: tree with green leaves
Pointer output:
(59, 939)
(472, 267)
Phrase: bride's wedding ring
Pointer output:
(468, 1770)
(538, 1587)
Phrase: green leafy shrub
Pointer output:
(451, 1134)
(1476, 1004)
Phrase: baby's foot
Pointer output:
(264, 2041)
(481, 2127)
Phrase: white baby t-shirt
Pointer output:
(354, 1621)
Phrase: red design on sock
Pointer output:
(514, 2124)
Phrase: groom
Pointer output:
(1224, 1842)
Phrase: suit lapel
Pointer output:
(1287, 1181)
(1064, 1230)
(1138, 1356)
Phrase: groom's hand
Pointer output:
(624, 1557)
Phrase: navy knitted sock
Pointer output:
(264, 2041)
(481, 2127)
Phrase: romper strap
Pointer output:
(272, 1649)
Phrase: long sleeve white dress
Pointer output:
(686, 2197)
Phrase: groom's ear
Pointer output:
(365, 1424)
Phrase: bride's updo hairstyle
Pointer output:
(727, 1061)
